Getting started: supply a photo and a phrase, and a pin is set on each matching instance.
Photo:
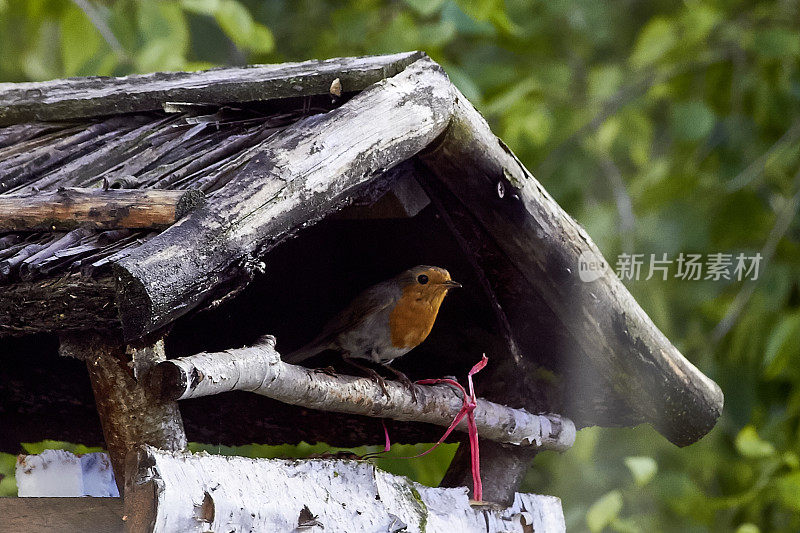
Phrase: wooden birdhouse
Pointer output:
(164, 238)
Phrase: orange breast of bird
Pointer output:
(413, 316)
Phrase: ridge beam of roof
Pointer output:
(546, 246)
(75, 98)
(311, 170)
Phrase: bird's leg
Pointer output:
(403, 379)
(371, 373)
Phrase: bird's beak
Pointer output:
(450, 284)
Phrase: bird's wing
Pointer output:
(373, 300)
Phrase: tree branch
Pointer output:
(66, 209)
(259, 369)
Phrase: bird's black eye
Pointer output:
(423, 279)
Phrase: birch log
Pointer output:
(314, 168)
(67, 209)
(259, 369)
(168, 492)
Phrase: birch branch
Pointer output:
(259, 369)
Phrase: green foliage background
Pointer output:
(661, 126)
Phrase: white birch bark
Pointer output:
(259, 369)
(174, 491)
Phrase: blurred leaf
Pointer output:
(642, 468)
(34, 448)
(750, 445)
(604, 511)
(748, 528)
(604, 81)
(8, 487)
(777, 43)
(426, 8)
(788, 489)
(782, 346)
(692, 121)
(481, 9)
(464, 83)
(239, 26)
(698, 21)
(80, 41)
(8, 464)
(166, 36)
(202, 7)
(656, 39)
(41, 61)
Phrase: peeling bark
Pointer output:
(259, 369)
(168, 492)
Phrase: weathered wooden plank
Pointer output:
(67, 209)
(168, 492)
(130, 416)
(86, 97)
(65, 515)
(316, 166)
(545, 245)
(259, 369)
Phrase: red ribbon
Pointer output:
(469, 403)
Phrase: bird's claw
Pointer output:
(405, 382)
(409, 386)
(379, 380)
(328, 370)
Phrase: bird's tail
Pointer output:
(306, 352)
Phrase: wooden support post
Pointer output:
(503, 467)
(67, 209)
(129, 414)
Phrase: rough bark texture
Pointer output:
(544, 244)
(87, 97)
(67, 209)
(129, 415)
(168, 492)
(259, 369)
(316, 166)
(65, 515)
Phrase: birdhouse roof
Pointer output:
(275, 149)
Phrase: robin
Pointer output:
(385, 321)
